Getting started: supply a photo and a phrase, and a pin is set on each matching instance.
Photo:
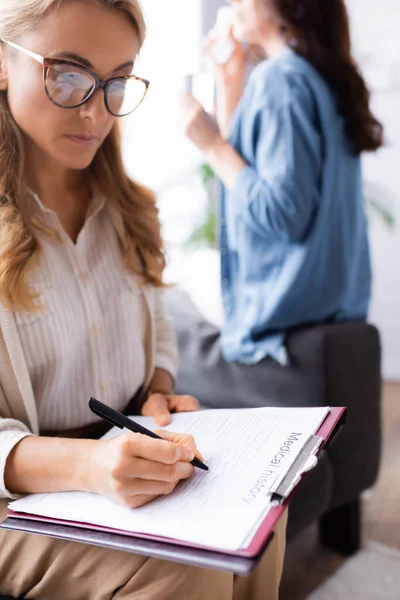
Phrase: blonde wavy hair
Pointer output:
(133, 207)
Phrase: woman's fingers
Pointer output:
(163, 451)
(214, 38)
(147, 470)
(136, 501)
(182, 439)
(183, 403)
(134, 468)
(157, 406)
(144, 487)
(210, 38)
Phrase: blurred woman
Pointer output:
(287, 149)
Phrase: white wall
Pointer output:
(154, 147)
(375, 27)
(156, 151)
(384, 169)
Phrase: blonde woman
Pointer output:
(81, 265)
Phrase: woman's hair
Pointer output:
(132, 206)
(319, 31)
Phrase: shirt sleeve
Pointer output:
(166, 343)
(11, 433)
(278, 193)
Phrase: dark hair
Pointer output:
(319, 31)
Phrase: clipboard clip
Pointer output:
(305, 461)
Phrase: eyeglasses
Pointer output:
(68, 85)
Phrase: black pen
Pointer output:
(116, 418)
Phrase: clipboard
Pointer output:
(241, 562)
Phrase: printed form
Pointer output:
(248, 453)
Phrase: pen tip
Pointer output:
(197, 463)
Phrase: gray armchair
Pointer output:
(335, 365)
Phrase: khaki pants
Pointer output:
(48, 569)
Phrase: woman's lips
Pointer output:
(83, 140)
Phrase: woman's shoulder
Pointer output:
(286, 79)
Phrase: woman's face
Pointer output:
(253, 21)
(87, 34)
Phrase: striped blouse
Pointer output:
(88, 338)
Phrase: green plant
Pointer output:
(206, 233)
(378, 204)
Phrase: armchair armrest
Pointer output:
(344, 359)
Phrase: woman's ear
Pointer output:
(3, 72)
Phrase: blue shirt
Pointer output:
(294, 245)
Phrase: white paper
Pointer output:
(248, 453)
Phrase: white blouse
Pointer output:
(88, 338)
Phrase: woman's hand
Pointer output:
(232, 73)
(199, 126)
(133, 469)
(202, 130)
(160, 406)
(230, 80)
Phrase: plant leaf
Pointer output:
(207, 173)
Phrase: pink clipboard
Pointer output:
(239, 562)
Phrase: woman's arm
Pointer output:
(12, 432)
(162, 381)
(38, 464)
(202, 130)
(228, 98)
(131, 469)
(166, 347)
(162, 400)
(278, 193)
(226, 162)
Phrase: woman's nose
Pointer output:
(95, 108)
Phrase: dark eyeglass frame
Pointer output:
(47, 63)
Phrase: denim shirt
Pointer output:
(293, 239)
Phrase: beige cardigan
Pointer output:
(17, 402)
